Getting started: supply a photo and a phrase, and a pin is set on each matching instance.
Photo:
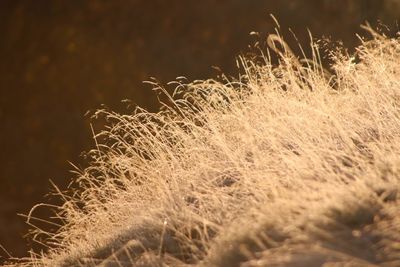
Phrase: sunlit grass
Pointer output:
(288, 165)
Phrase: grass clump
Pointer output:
(288, 165)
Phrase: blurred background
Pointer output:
(60, 59)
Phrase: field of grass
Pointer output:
(289, 164)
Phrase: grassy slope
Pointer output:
(286, 166)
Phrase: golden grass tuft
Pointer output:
(287, 165)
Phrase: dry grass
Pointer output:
(285, 166)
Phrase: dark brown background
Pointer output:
(59, 59)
